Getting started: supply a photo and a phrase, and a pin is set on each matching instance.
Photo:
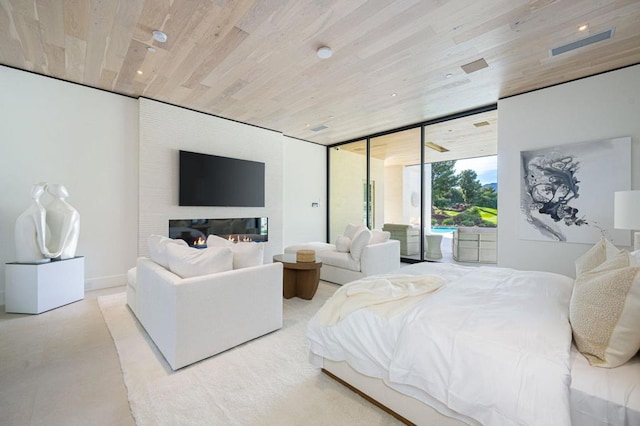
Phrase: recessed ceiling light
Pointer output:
(139, 71)
(159, 36)
(324, 52)
(583, 27)
(393, 95)
(449, 75)
(151, 49)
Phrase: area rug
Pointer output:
(267, 381)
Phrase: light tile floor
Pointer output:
(61, 368)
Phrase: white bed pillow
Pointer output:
(359, 242)
(247, 254)
(605, 306)
(189, 262)
(352, 229)
(378, 237)
(157, 245)
(343, 244)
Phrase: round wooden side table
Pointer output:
(299, 278)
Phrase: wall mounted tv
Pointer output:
(209, 180)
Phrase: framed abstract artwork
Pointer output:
(567, 191)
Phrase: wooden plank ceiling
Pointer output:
(394, 62)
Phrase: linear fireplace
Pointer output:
(195, 231)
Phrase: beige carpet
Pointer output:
(267, 381)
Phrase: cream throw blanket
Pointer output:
(380, 293)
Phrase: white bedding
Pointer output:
(604, 396)
(493, 344)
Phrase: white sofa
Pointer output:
(341, 268)
(190, 319)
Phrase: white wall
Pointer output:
(305, 183)
(600, 107)
(166, 129)
(58, 132)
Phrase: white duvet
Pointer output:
(491, 344)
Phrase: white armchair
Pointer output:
(190, 319)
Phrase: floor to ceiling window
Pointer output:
(395, 173)
(406, 181)
(347, 186)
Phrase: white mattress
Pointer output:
(604, 396)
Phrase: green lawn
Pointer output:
(486, 213)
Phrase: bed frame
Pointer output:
(405, 408)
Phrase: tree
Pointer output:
(470, 186)
(488, 197)
(443, 179)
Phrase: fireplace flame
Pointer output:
(200, 241)
(240, 238)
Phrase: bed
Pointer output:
(485, 345)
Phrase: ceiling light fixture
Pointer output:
(139, 72)
(324, 52)
(449, 75)
(583, 27)
(393, 95)
(151, 49)
(159, 36)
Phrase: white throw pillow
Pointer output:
(378, 237)
(247, 254)
(215, 241)
(158, 248)
(605, 306)
(189, 262)
(352, 229)
(358, 243)
(343, 244)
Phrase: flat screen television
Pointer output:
(210, 180)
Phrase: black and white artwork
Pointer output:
(567, 191)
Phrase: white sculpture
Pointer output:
(42, 234)
(64, 223)
(31, 231)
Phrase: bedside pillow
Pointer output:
(378, 237)
(189, 262)
(352, 229)
(595, 256)
(358, 243)
(343, 244)
(158, 248)
(247, 254)
(605, 307)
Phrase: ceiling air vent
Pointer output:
(435, 147)
(474, 66)
(320, 127)
(481, 123)
(605, 35)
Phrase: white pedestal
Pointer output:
(34, 288)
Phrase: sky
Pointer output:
(485, 167)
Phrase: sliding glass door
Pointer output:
(410, 182)
(395, 174)
(347, 186)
